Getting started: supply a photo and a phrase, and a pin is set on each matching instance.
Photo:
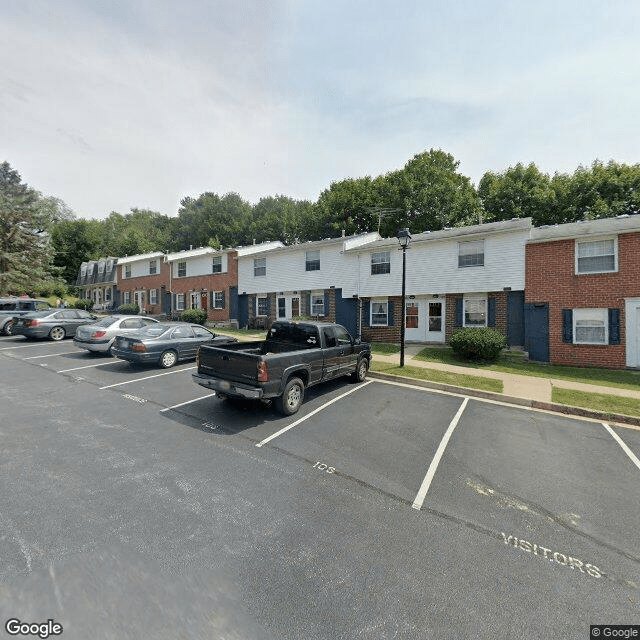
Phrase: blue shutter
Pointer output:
(326, 303)
(390, 320)
(308, 297)
(459, 312)
(567, 325)
(366, 312)
(492, 312)
(212, 299)
(173, 302)
(614, 326)
(224, 300)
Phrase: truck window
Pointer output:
(342, 335)
(330, 339)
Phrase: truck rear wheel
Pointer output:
(291, 399)
(360, 373)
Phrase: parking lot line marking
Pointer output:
(175, 406)
(313, 413)
(50, 355)
(86, 366)
(157, 375)
(625, 448)
(426, 483)
(27, 346)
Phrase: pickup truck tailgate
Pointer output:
(234, 362)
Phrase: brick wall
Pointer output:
(144, 283)
(384, 334)
(551, 278)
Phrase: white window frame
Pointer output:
(107, 294)
(153, 296)
(126, 297)
(380, 258)
(216, 264)
(180, 301)
(259, 299)
(317, 304)
(385, 303)
(312, 261)
(181, 266)
(579, 242)
(475, 299)
(153, 267)
(126, 271)
(101, 264)
(259, 267)
(472, 252)
(218, 299)
(594, 318)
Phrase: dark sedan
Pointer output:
(165, 343)
(55, 324)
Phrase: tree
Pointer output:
(74, 242)
(280, 218)
(26, 219)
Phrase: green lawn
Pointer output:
(445, 377)
(514, 362)
(384, 349)
(597, 401)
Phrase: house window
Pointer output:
(598, 256)
(101, 267)
(261, 306)
(317, 304)
(107, 295)
(471, 254)
(109, 265)
(153, 267)
(590, 326)
(475, 311)
(379, 313)
(153, 296)
(216, 264)
(180, 302)
(126, 297)
(312, 261)
(182, 269)
(260, 267)
(380, 262)
(218, 299)
(127, 270)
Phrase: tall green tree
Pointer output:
(26, 219)
(280, 218)
(74, 242)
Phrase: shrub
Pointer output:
(130, 309)
(83, 303)
(477, 343)
(197, 316)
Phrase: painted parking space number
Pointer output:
(321, 466)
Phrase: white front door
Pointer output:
(424, 319)
(632, 331)
(138, 298)
(435, 320)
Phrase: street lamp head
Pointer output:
(404, 237)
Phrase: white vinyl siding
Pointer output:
(596, 256)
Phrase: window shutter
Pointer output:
(567, 325)
(390, 321)
(173, 302)
(366, 307)
(308, 303)
(492, 312)
(224, 300)
(212, 299)
(326, 303)
(459, 312)
(268, 306)
(614, 326)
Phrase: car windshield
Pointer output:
(154, 330)
(106, 322)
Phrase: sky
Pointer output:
(111, 105)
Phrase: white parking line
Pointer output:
(426, 483)
(313, 413)
(27, 346)
(50, 355)
(175, 406)
(625, 448)
(86, 366)
(157, 375)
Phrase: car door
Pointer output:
(69, 320)
(347, 357)
(330, 353)
(183, 340)
(202, 336)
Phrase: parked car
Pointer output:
(100, 336)
(165, 343)
(55, 324)
(12, 307)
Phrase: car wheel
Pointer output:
(8, 328)
(361, 371)
(57, 333)
(291, 399)
(168, 359)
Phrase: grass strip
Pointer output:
(513, 362)
(384, 348)
(597, 401)
(444, 377)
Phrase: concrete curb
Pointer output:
(521, 402)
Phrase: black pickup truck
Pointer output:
(295, 355)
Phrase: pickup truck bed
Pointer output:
(294, 356)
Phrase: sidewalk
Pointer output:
(518, 389)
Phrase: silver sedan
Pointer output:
(99, 336)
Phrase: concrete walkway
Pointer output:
(517, 386)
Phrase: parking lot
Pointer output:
(135, 500)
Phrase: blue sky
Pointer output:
(116, 104)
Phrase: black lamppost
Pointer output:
(404, 238)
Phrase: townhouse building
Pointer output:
(301, 280)
(97, 280)
(583, 293)
(142, 280)
(464, 277)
